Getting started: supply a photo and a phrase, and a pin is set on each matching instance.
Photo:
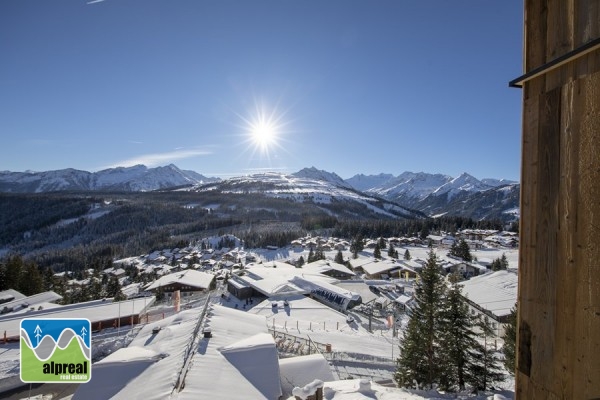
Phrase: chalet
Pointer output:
(381, 269)
(330, 268)
(187, 282)
(492, 295)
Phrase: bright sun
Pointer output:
(263, 133)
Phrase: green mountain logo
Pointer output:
(56, 350)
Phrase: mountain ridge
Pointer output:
(432, 194)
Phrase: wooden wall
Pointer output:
(558, 354)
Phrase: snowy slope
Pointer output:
(462, 183)
(319, 175)
(136, 178)
(310, 185)
(438, 194)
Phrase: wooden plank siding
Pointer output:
(558, 343)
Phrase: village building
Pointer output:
(492, 295)
(188, 282)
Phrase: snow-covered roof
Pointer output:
(188, 277)
(310, 283)
(362, 389)
(31, 301)
(322, 266)
(272, 277)
(302, 370)
(97, 310)
(495, 292)
(238, 361)
(379, 266)
(10, 295)
(360, 261)
(148, 368)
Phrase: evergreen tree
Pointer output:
(14, 269)
(392, 251)
(300, 262)
(96, 291)
(357, 245)
(459, 341)
(420, 358)
(311, 255)
(496, 266)
(31, 281)
(48, 279)
(407, 255)
(510, 341)
(487, 369)
(377, 251)
(381, 243)
(504, 261)
(461, 250)
(319, 254)
(339, 257)
(113, 288)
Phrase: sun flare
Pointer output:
(263, 133)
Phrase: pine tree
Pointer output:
(420, 358)
(31, 280)
(377, 251)
(459, 340)
(113, 288)
(487, 369)
(504, 261)
(300, 262)
(465, 252)
(510, 341)
(339, 257)
(48, 279)
(311, 255)
(14, 269)
(461, 250)
(392, 251)
(407, 255)
(357, 245)
(319, 254)
(381, 243)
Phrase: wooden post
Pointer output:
(559, 270)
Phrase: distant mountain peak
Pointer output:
(320, 175)
(135, 178)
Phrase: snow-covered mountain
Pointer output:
(382, 195)
(319, 175)
(438, 194)
(136, 178)
(325, 189)
(462, 183)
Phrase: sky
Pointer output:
(228, 88)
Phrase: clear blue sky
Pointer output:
(345, 86)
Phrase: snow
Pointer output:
(307, 318)
(362, 389)
(189, 277)
(495, 292)
(376, 267)
(97, 310)
(302, 370)
(308, 390)
(226, 375)
(321, 266)
(463, 182)
(149, 367)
